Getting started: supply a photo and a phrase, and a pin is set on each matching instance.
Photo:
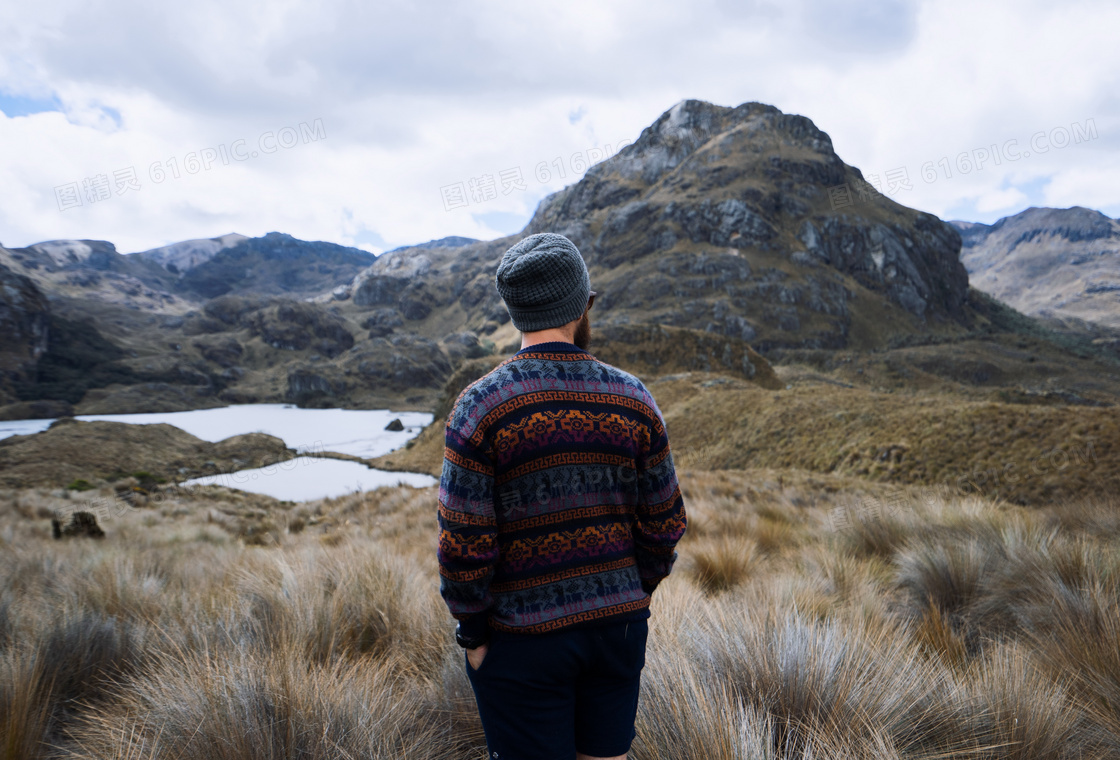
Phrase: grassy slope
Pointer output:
(919, 626)
(1025, 453)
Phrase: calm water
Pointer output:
(346, 431)
(308, 478)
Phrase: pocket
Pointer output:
(486, 658)
(623, 647)
(636, 633)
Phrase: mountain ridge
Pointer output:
(712, 239)
(1049, 262)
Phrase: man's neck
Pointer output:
(552, 335)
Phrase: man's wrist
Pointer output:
(474, 630)
(468, 640)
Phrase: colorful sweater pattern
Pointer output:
(558, 504)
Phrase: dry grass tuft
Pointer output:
(1026, 713)
(719, 564)
(1079, 644)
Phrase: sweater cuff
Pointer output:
(477, 626)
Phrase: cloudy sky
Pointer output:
(383, 123)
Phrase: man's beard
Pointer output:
(582, 337)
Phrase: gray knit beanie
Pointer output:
(544, 282)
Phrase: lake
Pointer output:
(308, 478)
(360, 432)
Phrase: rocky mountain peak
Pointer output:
(756, 195)
(688, 125)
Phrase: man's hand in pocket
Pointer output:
(475, 656)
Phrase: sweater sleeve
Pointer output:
(468, 533)
(661, 518)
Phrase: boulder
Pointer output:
(82, 524)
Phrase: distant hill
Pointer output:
(172, 278)
(451, 241)
(93, 269)
(1048, 262)
(274, 264)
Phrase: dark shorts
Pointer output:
(547, 696)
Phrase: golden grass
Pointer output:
(1025, 454)
(943, 627)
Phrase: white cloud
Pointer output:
(417, 97)
(1001, 200)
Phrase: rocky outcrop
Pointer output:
(372, 289)
(232, 310)
(397, 279)
(81, 525)
(293, 326)
(225, 352)
(305, 385)
(883, 257)
(401, 362)
(1049, 262)
(24, 330)
(382, 322)
(383, 282)
(464, 345)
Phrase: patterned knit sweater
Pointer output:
(558, 503)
